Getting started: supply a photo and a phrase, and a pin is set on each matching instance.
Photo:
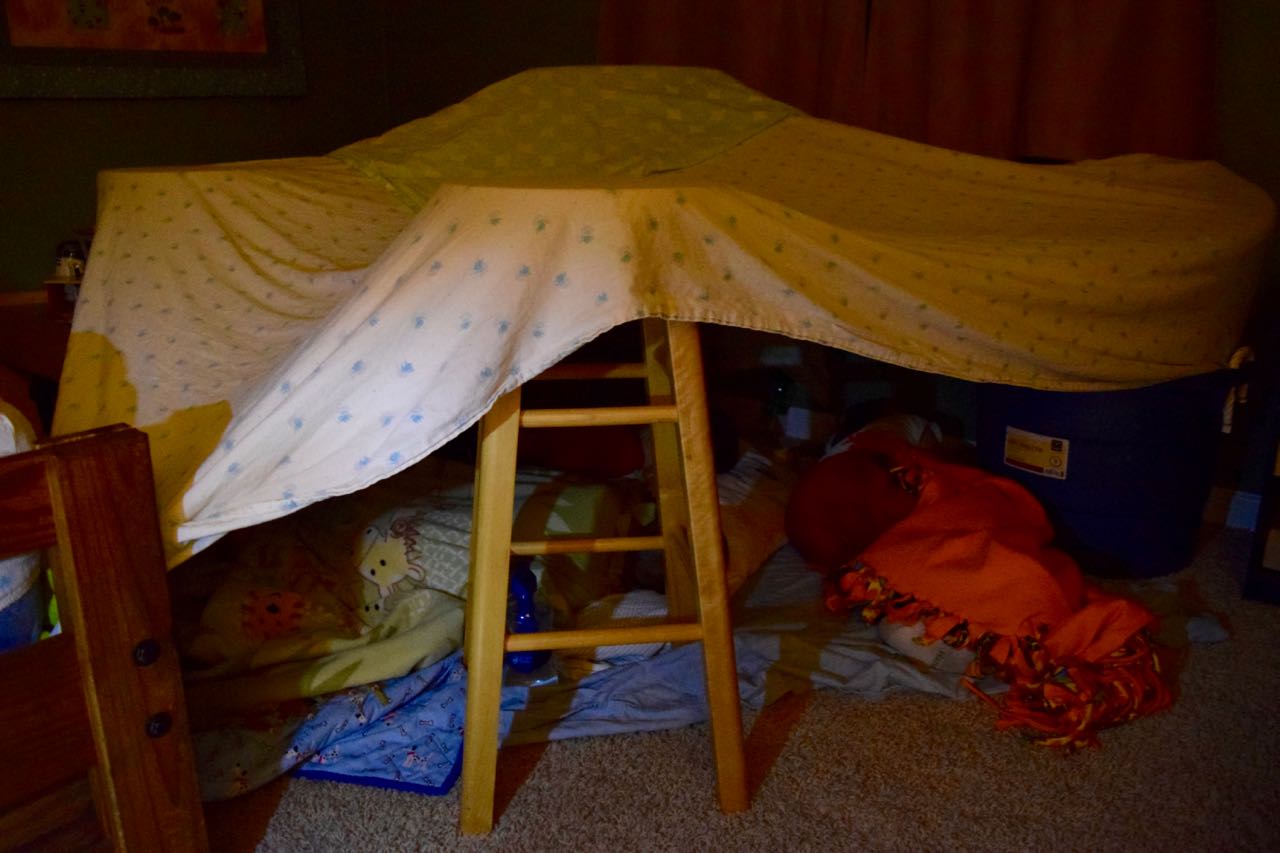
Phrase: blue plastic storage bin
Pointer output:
(1123, 475)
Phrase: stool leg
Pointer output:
(708, 560)
(487, 609)
(673, 515)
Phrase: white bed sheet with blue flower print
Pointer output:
(286, 331)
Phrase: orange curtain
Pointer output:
(807, 53)
(1067, 79)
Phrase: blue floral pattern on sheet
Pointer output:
(302, 309)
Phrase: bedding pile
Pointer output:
(357, 591)
(287, 331)
(380, 701)
(963, 562)
(406, 733)
(329, 638)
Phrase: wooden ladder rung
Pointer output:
(586, 545)
(613, 635)
(599, 416)
(594, 370)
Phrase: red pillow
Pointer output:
(842, 504)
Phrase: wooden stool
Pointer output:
(688, 509)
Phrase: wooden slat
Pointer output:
(600, 416)
(26, 518)
(617, 634)
(23, 297)
(585, 545)
(62, 819)
(42, 699)
(593, 370)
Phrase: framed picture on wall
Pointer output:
(150, 48)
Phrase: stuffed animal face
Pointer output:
(416, 546)
(270, 613)
(383, 561)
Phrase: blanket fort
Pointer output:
(290, 330)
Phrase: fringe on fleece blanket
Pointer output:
(972, 563)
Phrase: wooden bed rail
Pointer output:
(690, 539)
(97, 710)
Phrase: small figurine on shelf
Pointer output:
(63, 288)
(69, 261)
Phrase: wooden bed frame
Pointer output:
(93, 724)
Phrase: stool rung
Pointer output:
(618, 635)
(599, 416)
(586, 545)
(595, 370)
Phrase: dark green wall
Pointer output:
(1248, 141)
(369, 66)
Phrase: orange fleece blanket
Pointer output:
(973, 561)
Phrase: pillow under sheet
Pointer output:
(427, 542)
(20, 606)
(753, 508)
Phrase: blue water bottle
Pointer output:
(526, 614)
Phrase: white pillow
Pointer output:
(17, 574)
(16, 432)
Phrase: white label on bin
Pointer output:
(1039, 454)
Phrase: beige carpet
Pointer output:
(908, 773)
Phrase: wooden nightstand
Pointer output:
(34, 336)
(33, 344)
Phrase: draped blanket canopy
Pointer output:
(290, 330)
